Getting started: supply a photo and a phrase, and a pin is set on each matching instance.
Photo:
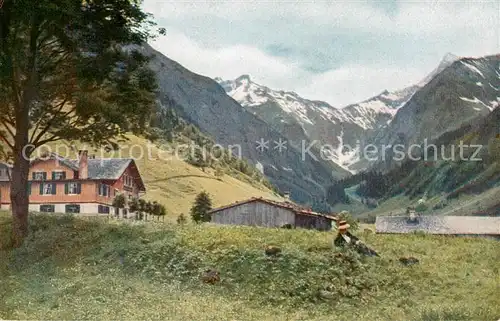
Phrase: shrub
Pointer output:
(202, 205)
(181, 219)
(346, 216)
(421, 208)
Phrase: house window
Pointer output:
(128, 181)
(39, 176)
(72, 208)
(103, 209)
(104, 190)
(48, 189)
(72, 188)
(58, 175)
(47, 208)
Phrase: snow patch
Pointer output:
(477, 101)
(480, 84)
(473, 68)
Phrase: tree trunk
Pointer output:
(19, 197)
(19, 181)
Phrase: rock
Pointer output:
(368, 231)
(272, 250)
(408, 260)
(210, 276)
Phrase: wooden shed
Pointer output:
(268, 213)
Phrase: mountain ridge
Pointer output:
(316, 120)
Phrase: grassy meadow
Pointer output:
(73, 268)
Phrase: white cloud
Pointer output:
(228, 38)
(338, 87)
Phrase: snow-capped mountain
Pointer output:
(342, 129)
(299, 119)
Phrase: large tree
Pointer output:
(202, 205)
(69, 71)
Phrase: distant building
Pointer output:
(268, 213)
(440, 225)
(87, 185)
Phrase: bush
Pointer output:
(346, 216)
(421, 208)
(181, 219)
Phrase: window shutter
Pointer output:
(41, 188)
(63, 175)
(66, 188)
(78, 188)
(33, 175)
(44, 176)
(29, 188)
(53, 189)
(53, 175)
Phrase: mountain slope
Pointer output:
(466, 90)
(202, 102)
(302, 119)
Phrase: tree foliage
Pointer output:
(202, 205)
(69, 70)
(119, 201)
(346, 216)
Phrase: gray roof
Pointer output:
(484, 225)
(105, 168)
(9, 167)
(64, 161)
(98, 168)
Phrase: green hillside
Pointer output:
(173, 182)
(459, 183)
(71, 268)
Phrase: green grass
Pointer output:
(72, 268)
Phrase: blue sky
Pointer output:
(338, 51)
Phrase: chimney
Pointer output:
(83, 166)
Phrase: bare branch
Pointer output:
(49, 123)
(52, 138)
(6, 124)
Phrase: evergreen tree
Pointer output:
(119, 202)
(202, 205)
(219, 172)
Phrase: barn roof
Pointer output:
(288, 205)
(453, 225)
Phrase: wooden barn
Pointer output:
(268, 213)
